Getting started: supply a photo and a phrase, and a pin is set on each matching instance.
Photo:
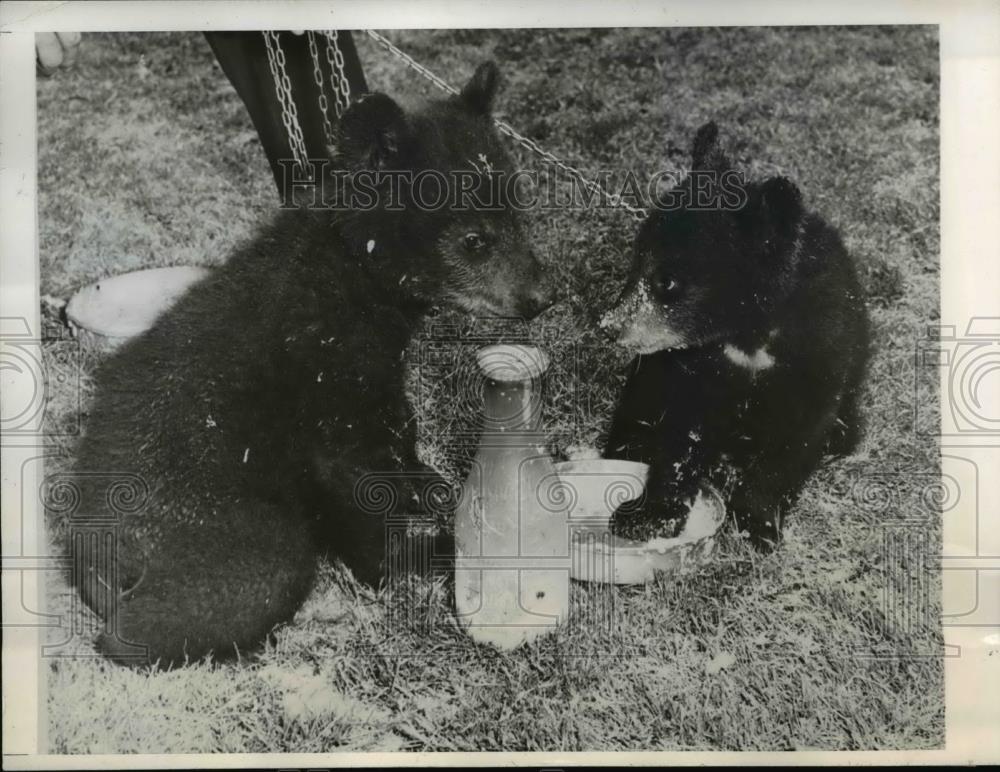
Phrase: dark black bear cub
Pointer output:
(256, 404)
(752, 340)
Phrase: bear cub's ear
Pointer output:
(705, 152)
(774, 213)
(781, 202)
(481, 90)
(374, 133)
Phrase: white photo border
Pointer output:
(969, 35)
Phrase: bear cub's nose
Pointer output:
(537, 300)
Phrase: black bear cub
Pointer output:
(253, 408)
(751, 336)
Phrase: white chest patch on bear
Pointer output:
(755, 362)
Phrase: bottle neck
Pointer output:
(511, 408)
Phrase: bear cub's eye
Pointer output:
(667, 286)
(474, 241)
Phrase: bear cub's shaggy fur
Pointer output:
(752, 339)
(254, 407)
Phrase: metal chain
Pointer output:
(283, 87)
(408, 60)
(338, 75)
(318, 77)
(615, 199)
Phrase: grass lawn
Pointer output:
(147, 158)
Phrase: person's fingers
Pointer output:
(55, 49)
(69, 42)
(48, 52)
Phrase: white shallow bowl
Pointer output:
(123, 306)
(595, 488)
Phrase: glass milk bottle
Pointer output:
(512, 556)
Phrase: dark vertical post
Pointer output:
(243, 58)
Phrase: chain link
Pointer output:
(323, 103)
(283, 87)
(409, 61)
(614, 199)
(338, 75)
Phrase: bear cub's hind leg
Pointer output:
(214, 587)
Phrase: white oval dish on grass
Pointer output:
(123, 306)
(596, 487)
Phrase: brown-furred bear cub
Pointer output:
(751, 335)
(254, 407)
